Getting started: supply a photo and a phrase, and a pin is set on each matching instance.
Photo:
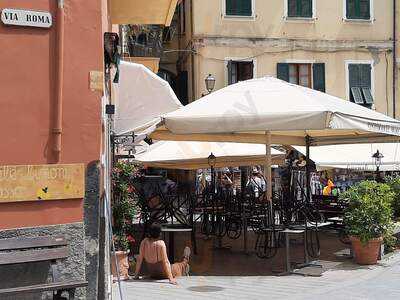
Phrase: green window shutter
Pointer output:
(364, 9)
(282, 71)
(292, 8)
(229, 66)
(305, 8)
(358, 9)
(351, 9)
(238, 7)
(354, 78)
(300, 8)
(365, 75)
(354, 75)
(319, 77)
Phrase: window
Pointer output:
(300, 8)
(240, 71)
(241, 8)
(360, 84)
(358, 9)
(308, 75)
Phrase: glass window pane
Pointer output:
(304, 81)
(293, 75)
(304, 75)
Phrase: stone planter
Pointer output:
(123, 265)
(366, 254)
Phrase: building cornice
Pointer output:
(294, 44)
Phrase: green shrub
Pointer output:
(394, 183)
(369, 211)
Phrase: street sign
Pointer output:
(19, 17)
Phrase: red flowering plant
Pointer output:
(124, 206)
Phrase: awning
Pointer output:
(355, 156)
(141, 98)
(194, 155)
(142, 11)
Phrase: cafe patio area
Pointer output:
(231, 274)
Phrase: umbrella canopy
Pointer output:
(355, 156)
(243, 112)
(194, 155)
(141, 98)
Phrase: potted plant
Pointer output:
(368, 218)
(124, 211)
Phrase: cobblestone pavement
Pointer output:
(343, 281)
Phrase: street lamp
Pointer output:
(377, 156)
(211, 162)
(210, 83)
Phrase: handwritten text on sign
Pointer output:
(19, 17)
(41, 182)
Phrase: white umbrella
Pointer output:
(141, 98)
(355, 156)
(194, 155)
(268, 110)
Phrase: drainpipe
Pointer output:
(57, 127)
(394, 57)
(191, 53)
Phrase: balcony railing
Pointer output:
(143, 40)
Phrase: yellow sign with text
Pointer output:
(41, 182)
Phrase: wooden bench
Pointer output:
(23, 250)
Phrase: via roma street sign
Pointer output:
(19, 17)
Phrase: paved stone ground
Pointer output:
(342, 281)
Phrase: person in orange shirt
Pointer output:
(327, 191)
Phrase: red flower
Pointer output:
(130, 189)
(130, 239)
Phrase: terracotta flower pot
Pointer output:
(366, 254)
(123, 265)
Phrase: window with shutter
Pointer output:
(301, 74)
(238, 8)
(239, 71)
(300, 8)
(360, 84)
(358, 9)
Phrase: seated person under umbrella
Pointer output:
(153, 253)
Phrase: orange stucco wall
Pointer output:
(27, 93)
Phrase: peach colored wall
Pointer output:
(269, 21)
(27, 82)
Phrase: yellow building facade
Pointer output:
(342, 47)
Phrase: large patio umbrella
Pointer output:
(194, 155)
(140, 98)
(268, 110)
(355, 156)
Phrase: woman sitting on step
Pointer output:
(153, 253)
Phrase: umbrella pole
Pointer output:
(268, 164)
(308, 177)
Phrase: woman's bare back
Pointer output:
(154, 251)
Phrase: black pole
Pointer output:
(212, 180)
(308, 177)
